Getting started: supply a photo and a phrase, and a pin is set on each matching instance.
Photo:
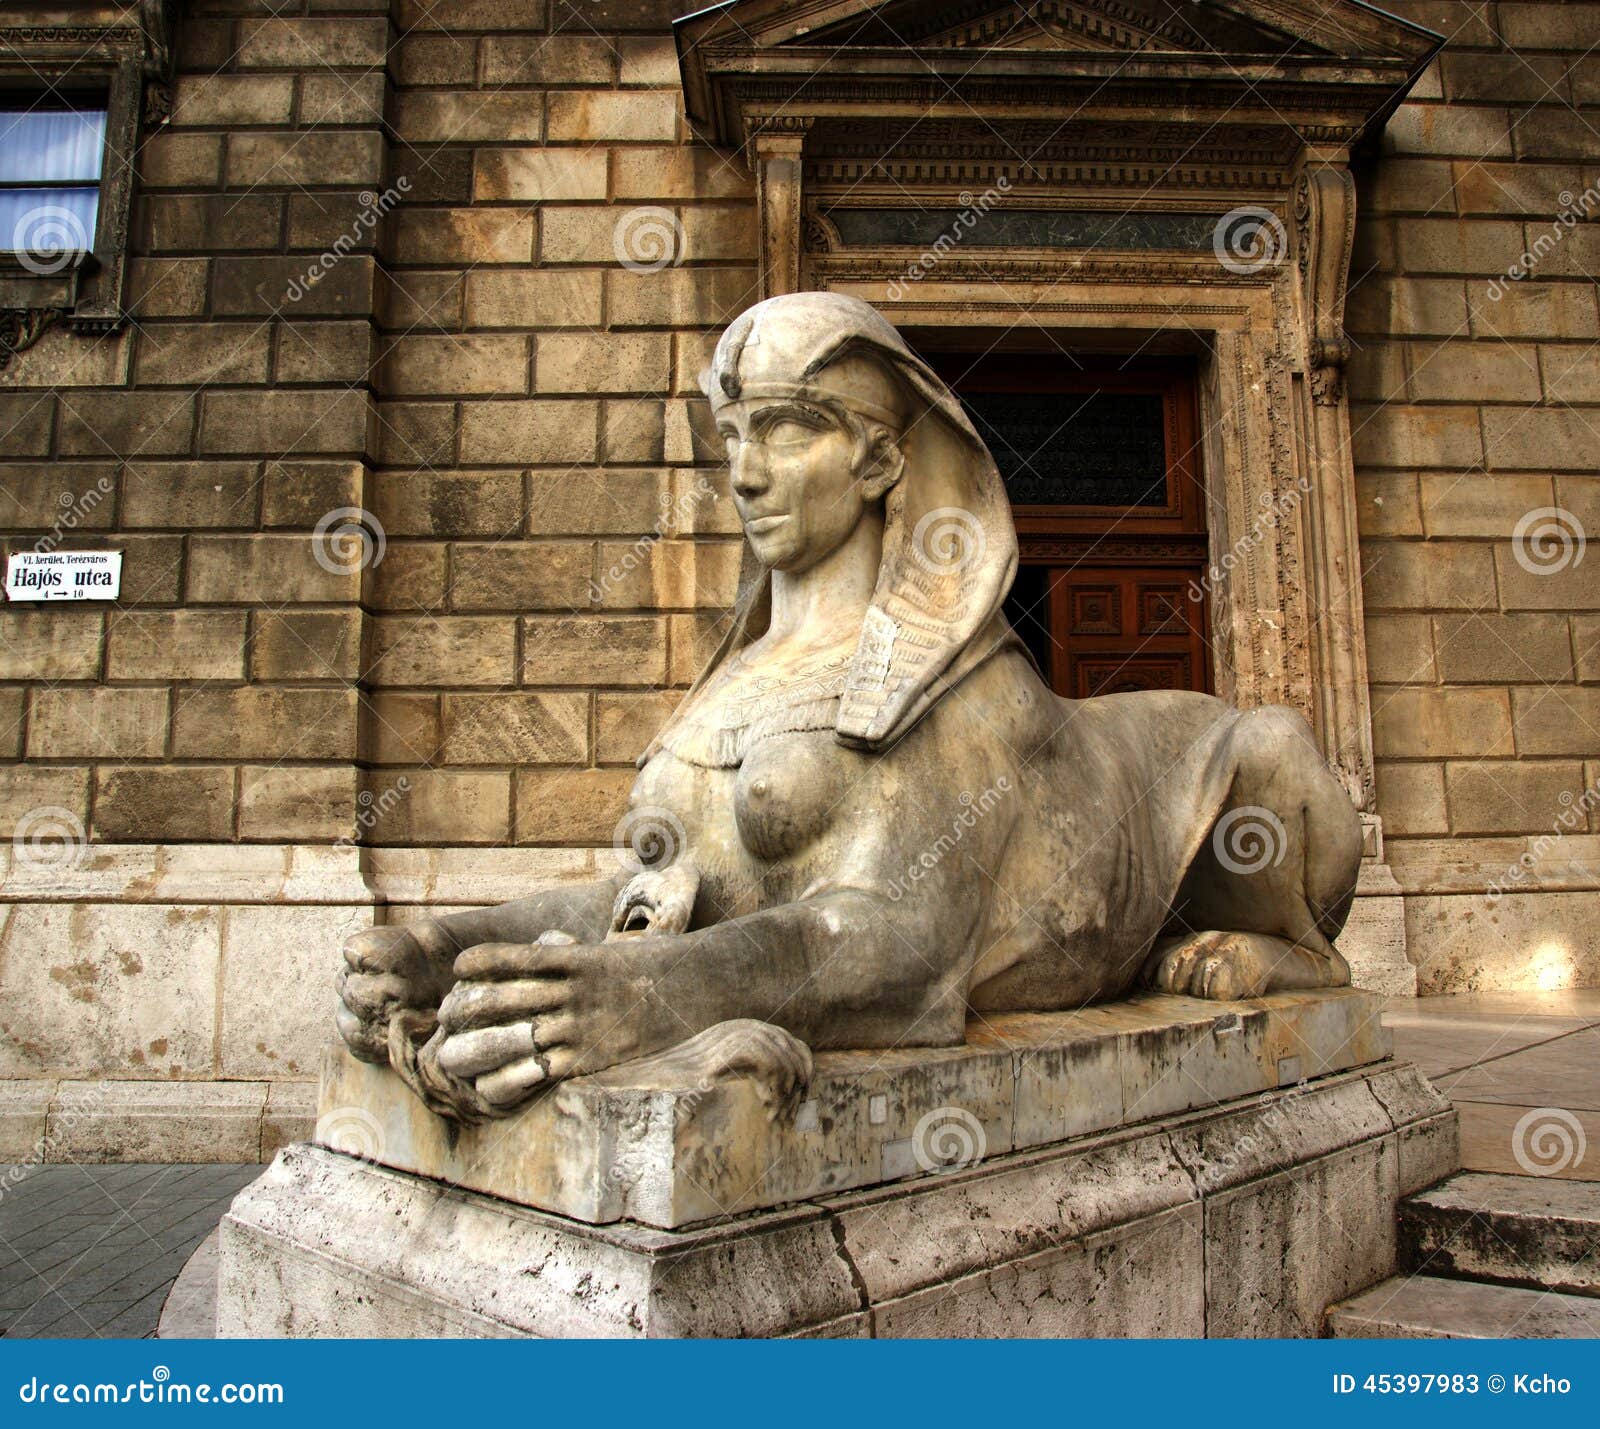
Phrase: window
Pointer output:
(71, 98)
(51, 159)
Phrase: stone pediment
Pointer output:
(1324, 71)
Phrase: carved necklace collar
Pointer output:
(742, 706)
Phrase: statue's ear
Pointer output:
(885, 465)
(949, 557)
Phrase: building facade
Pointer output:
(373, 346)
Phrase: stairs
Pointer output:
(1487, 1256)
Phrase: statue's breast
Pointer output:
(789, 792)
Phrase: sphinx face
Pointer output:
(796, 483)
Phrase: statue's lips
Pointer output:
(762, 524)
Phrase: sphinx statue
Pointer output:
(870, 819)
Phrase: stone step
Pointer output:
(1422, 1307)
(1539, 1233)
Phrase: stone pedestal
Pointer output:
(1158, 1167)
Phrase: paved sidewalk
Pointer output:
(89, 1251)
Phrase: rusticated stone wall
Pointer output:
(1476, 421)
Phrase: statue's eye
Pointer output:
(788, 430)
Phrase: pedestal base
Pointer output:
(1247, 1218)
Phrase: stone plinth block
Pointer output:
(624, 1145)
(1247, 1217)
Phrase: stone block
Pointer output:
(265, 722)
(570, 806)
(651, 60)
(635, 431)
(24, 1107)
(449, 504)
(27, 789)
(1554, 720)
(151, 1121)
(594, 650)
(1416, 723)
(1469, 941)
(519, 575)
(1499, 78)
(218, 101)
(1540, 439)
(1569, 374)
(1411, 798)
(539, 175)
(348, 159)
(1558, 131)
(1416, 437)
(1536, 189)
(439, 173)
(444, 807)
(411, 576)
(262, 287)
(1530, 582)
(45, 644)
(282, 801)
(97, 723)
(1509, 798)
(1586, 641)
(180, 161)
(1433, 575)
(285, 423)
(447, 651)
(680, 297)
(26, 419)
(1400, 650)
(1471, 504)
(349, 42)
(1489, 648)
(324, 352)
(589, 117)
(1449, 130)
(12, 701)
(541, 59)
(684, 172)
(456, 366)
(626, 723)
(402, 729)
(343, 99)
(277, 987)
(176, 645)
(174, 802)
(533, 298)
(602, 362)
(93, 989)
(668, 574)
(125, 424)
(172, 354)
(1472, 371)
(265, 570)
(414, 434)
(1532, 309)
(290, 1116)
(1545, 27)
(540, 430)
(458, 15)
(423, 302)
(583, 503)
(515, 728)
(422, 60)
(719, 231)
(186, 495)
(695, 639)
(299, 494)
(1388, 306)
(305, 645)
(470, 116)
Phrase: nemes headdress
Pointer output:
(950, 546)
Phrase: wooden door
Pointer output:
(1102, 466)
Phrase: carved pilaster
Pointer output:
(774, 147)
(1325, 229)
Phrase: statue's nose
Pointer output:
(748, 468)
